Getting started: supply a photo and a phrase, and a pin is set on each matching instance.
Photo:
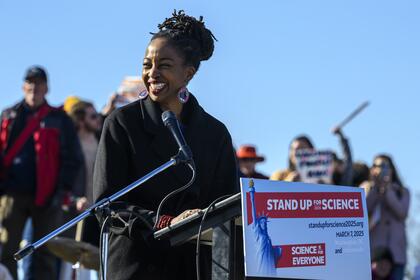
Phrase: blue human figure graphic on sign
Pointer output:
(267, 255)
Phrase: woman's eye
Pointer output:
(165, 65)
(146, 65)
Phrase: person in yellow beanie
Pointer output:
(70, 102)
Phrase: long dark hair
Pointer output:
(300, 138)
(395, 178)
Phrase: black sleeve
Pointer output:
(226, 180)
(111, 174)
(111, 165)
(347, 178)
(71, 155)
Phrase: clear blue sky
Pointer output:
(280, 68)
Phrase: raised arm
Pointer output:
(347, 178)
(252, 196)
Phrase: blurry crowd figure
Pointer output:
(291, 174)
(247, 159)
(342, 168)
(360, 173)
(88, 122)
(382, 264)
(388, 203)
(40, 157)
(66, 141)
(128, 92)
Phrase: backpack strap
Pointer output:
(30, 127)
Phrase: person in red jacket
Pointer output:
(40, 156)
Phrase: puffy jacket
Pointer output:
(58, 155)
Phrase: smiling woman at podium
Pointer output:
(135, 141)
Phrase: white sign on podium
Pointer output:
(304, 231)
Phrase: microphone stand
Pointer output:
(102, 206)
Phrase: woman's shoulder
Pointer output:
(213, 122)
(400, 188)
(206, 122)
(125, 113)
(280, 175)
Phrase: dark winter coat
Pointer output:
(133, 143)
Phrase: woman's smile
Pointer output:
(156, 88)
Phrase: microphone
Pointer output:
(170, 121)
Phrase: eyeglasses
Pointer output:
(383, 165)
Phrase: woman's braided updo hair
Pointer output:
(189, 36)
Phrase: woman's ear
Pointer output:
(189, 73)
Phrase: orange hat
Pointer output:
(248, 152)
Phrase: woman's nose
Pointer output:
(154, 72)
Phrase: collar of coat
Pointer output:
(191, 115)
(193, 118)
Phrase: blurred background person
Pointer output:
(290, 174)
(382, 263)
(40, 156)
(247, 159)
(88, 122)
(360, 173)
(69, 102)
(129, 91)
(388, 202)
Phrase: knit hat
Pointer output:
(70, 102)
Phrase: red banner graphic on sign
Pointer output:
(306, 205)
(300, 255)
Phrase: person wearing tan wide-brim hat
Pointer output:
(248, 158)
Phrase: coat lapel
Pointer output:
(162, 143)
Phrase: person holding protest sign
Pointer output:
(135, 141)
(291, 174)
(387, 203)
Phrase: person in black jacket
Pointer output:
(134, 141)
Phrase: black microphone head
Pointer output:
(167, 117)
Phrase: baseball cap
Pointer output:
(36, 72)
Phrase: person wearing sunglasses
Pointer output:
(388, 203)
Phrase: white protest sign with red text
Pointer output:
(315, 166)
(304, 231)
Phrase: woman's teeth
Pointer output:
(158, 86)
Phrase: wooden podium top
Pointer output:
(187, 229)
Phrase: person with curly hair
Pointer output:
(134, 141)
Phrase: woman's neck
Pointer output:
(175, 107)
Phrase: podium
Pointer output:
(221, 229)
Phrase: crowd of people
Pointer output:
(387, 198)
(56, 161)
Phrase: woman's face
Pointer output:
(296, 146)
(164, 72)
(381, 168)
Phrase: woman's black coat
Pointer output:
(133, 143)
